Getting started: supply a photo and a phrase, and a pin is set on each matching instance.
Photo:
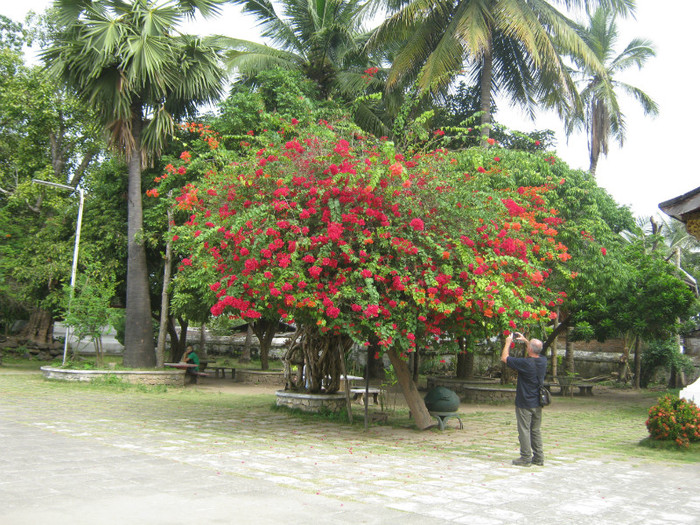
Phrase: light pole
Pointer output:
(76, 248)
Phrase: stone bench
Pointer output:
(218, 369)
(584, 389)
(359, 394)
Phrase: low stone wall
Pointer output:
(311, 402)
(136, 377)
(260, 377)
(474, 391)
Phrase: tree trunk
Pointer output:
(486, 79)
(554, 364)
(597, 135)
(465, 362)
(416, 404)
(203, 342)
(39, 328)
(265, 330)
(375, 367)
(99, 354)
(177, 344)
(245, 356)
(139, 350)
(165, 296)
(623, 370)
(569, 366)
(317, 357)
(637, 363)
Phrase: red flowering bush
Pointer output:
(674, 419)
(340, 232)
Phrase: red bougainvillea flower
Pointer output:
(491, 141)
(603, 251)
(396, 169)
(407, 251)
(417, 224)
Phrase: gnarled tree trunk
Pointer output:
(265, 330)
(415, 402)
(318, 358)
(39, 329)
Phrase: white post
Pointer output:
(76, 249)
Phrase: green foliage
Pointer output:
(44, 134)
(663, 354)
(674, 419)
(89, 311)
(12, 34)
(287, 93)
(334, 230)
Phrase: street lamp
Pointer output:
(78, 227)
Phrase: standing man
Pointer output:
(528, 412)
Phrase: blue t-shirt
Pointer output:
(531, 370)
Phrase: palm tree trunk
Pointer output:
(597, 137)
(593, 166)
(139, 351)
(486, 80)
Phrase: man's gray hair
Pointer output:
(536, 346)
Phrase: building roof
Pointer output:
(682, 206)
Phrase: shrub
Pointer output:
(674, 419)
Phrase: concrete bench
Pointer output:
(584, 389)
(196, 375)
(359, 394)
(222, 370)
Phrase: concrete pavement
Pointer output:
(90, 456)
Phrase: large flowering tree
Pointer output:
(356, 243)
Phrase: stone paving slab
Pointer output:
(90, 456)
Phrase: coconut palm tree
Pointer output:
(127, 61)
(323, 39)
(509, 46)
(601, 115)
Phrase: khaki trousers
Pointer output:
(529, 434)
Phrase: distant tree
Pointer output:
(129, 63)
(508, 46)
(44, 134)
(601, 115)
(322, 39)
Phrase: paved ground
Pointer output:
(92, 456)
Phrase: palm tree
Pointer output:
(323, 39)
(127, 61)
(601, 115)
(510, 46)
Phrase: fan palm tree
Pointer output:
(323, 39)
(601, 115)
(126, 60)
(510, 46)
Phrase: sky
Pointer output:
(653, 165)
